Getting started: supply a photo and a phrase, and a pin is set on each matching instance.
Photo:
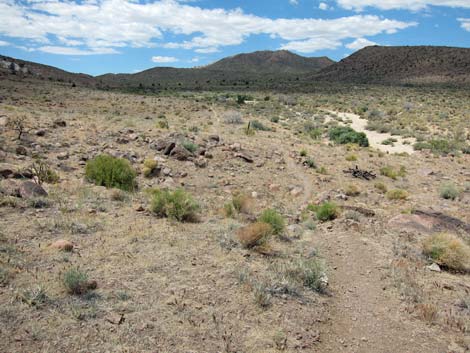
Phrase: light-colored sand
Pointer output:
(376, 138)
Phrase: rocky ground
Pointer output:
(166, 286)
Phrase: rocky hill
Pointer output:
(401, 65)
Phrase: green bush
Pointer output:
(274, 219)
(344, 134)
(397, 194)
(257, 125)
(190, 146)
(438, 146)
(449, 191)
(308, 272)
(76, 282)
(391, 173)
(327, 211)
(112, 172)
(176, 204)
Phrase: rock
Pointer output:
(28, 190)
(59, 123)
(296, 192)
(41, 132)
(9, 187)
(115, 319)
(434, 267)
(167, 172)
(168, 149)
(21, 150)
(180, 153)
(214, 138)
(7, 170)
(62, 244)
(163, 144)
(63, 156)
(236, 147)
(122, 140)
(200, 162)
(245, 157)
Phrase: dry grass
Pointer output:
(254, 234)
(448, 250)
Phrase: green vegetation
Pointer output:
(112, 172)
(257, 125)
(343, 135)
(254, 234)
(76, 282)
(176, 204)
(190, 146)
(327, 211)
(449, 191)
(448, 250)
(149, 167)
(308, 272)
(440, 146)
(274, 219)
(392, 173)
(397, 194)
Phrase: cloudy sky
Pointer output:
(100, 36)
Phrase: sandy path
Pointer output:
(363, 317)
(376, 138)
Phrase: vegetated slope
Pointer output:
(401, 65)
(258, 69)
(27, 69)
(271, 62)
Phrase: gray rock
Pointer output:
(434, 267)
(28, 190)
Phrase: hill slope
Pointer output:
(398, 65)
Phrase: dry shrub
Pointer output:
(449, 251)
(243, 203)
(254, 234)
(427, 312)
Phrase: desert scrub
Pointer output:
(112, 172)
(352, 190)
(190, 146)
(449, 191)
(257, 125)
(274, 219)
(327, 211)
(242, 203)
(392, 173)
(254, 234)
(176, 204)
(76, 282)
(149, 168)
(342, 135)
(303, 153)
(309, 273)
(447, 250)
(233, 117)
(397, 194)
(44, 173)
(381, 187)
(351, 158)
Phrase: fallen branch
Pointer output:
(361, 174)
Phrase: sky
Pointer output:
(127, 36)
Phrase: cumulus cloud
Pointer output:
(360, 43)
(103, 26)
(323, 6)
(413, 5)
(294, 2)
(465, 23)
(164, 59)
(3, 43)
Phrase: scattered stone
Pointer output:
(28, 190)
(245, 157)
(296, 192)
(167, 172)
(63, 245)
(214, 138)
(434, 267)
(21, 150)
(180, 153)
(41, 132)
(63, 156)
(236, 147)
(115, 318)
(59, 123)
(200, 162)
(140, 208)
(7, 170)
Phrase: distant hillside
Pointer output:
(10, 66)
(281, 61)
(401, 65)
(258, 69)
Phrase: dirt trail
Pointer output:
(363, 316)
(376, 138)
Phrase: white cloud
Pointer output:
(465, 23)
(360, 43)
(164, 59)
(413, 5)
(101, 26)
(3, 43)
(76, 51)
(294, 2)
(323, 6)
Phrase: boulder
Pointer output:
(28, 190)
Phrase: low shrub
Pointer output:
(254, 234)
(112, 172)
(439, 146)
(303, 153)
(257, 125)
(149, 168)
(448, 250)
(233, 117)
(397, 194)
(392, 173)
(449, 191)
(190, 146)
(381, 187)
(310, 163)
(44, 173)
(242, 203)
(76, 282)
(176, 204)
(351, 158)
(308, 272)
(274, 219)
(352, 190)
(344, 134)
(327, 211)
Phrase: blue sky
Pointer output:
(101, 36)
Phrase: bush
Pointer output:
(43, 173)
(352, 190)
(303, 153)
(448, 250)
(274, 219)
(233, 117)
(254, 234)
(76, 282)
(176, 204)
(343, 135)
(149, 168)
(309, 272)
(381, 187)
(112, 172)
(397, 194)
(242, 203)
(190, 146)
(351, 158)
(438, 146)
(449, 191)
(327, 211)
(310, 163)
(257, 125)
(390, 172)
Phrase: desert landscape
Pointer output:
(334, 219)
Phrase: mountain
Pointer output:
(281, 61)
(27, 69)
(258, 69)
(401, 65)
